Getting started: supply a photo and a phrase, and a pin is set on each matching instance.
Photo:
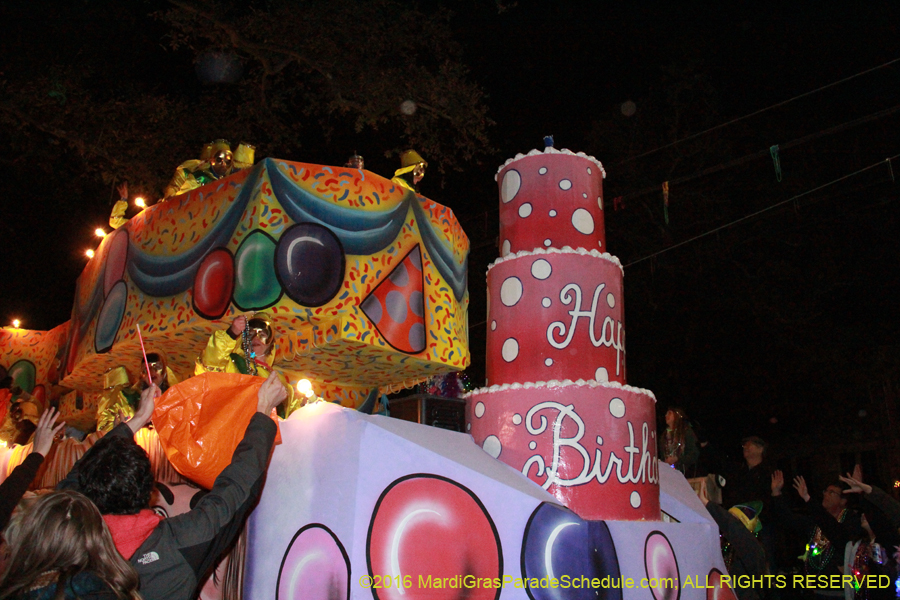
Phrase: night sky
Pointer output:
(790, 314)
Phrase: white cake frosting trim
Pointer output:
(551, 150)
(564, 250)
(555, 383)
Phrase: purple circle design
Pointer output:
(396, 306)
(558, 542)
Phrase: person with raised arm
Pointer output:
(14, 487)
(829, 526)
(172, 555)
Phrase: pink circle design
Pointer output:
(425, 525)
(660, 563)
(315, 567)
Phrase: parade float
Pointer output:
(559, 494)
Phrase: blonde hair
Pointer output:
(62, 533)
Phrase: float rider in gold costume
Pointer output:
(411, 171)
(119, 398)
(228, 352)
(117, 216)
(216, 161)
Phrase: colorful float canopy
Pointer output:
(365, 280)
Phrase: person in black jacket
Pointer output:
(829, 526)
(172, 555)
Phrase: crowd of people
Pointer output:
(850, 536)
(95, 536)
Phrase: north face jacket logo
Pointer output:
(148, 558)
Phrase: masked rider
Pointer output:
(225, 353)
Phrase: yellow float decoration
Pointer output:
(365, 281)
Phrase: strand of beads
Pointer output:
(249, 354)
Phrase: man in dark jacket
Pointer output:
(829, 526)
(172, 555)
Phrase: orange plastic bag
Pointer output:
(202, 420)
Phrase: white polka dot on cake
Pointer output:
(565, 184)
(552, 213)
(547, 242)
(617, 408)
(517, 419)
(542, 171)
(532, 445)
(635, 499)
(468, 427)
(589, 170)
(600, 202)
(493, 325)
(601, 374)
(511, 291)
(599, 441)
(525, 210)
(504, 249)
(541, 269)
(583, 221)
(546, 302)
(548, 362)
(479, 410)
(512, 181)
(510, 350)
(492, 445)
(584, 195)
(611, 300)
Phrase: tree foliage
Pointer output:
(105, 100)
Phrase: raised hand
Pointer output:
(46, 431)
(238, 325)
(144, 411)
(271, 394)
(856, 485)
(122, 188)
(800, 486)
(777, 483)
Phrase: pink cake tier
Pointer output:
(555, 314)
(590, 444)
(551, 199)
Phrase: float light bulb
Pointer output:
(304, 387)
(99, 232)
(16, 323)
(139, 202)
(89, 253)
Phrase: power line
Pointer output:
(762, 110)
(765, 153)
(761, 211)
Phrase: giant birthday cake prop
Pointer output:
(558, 408)
(365, 281)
